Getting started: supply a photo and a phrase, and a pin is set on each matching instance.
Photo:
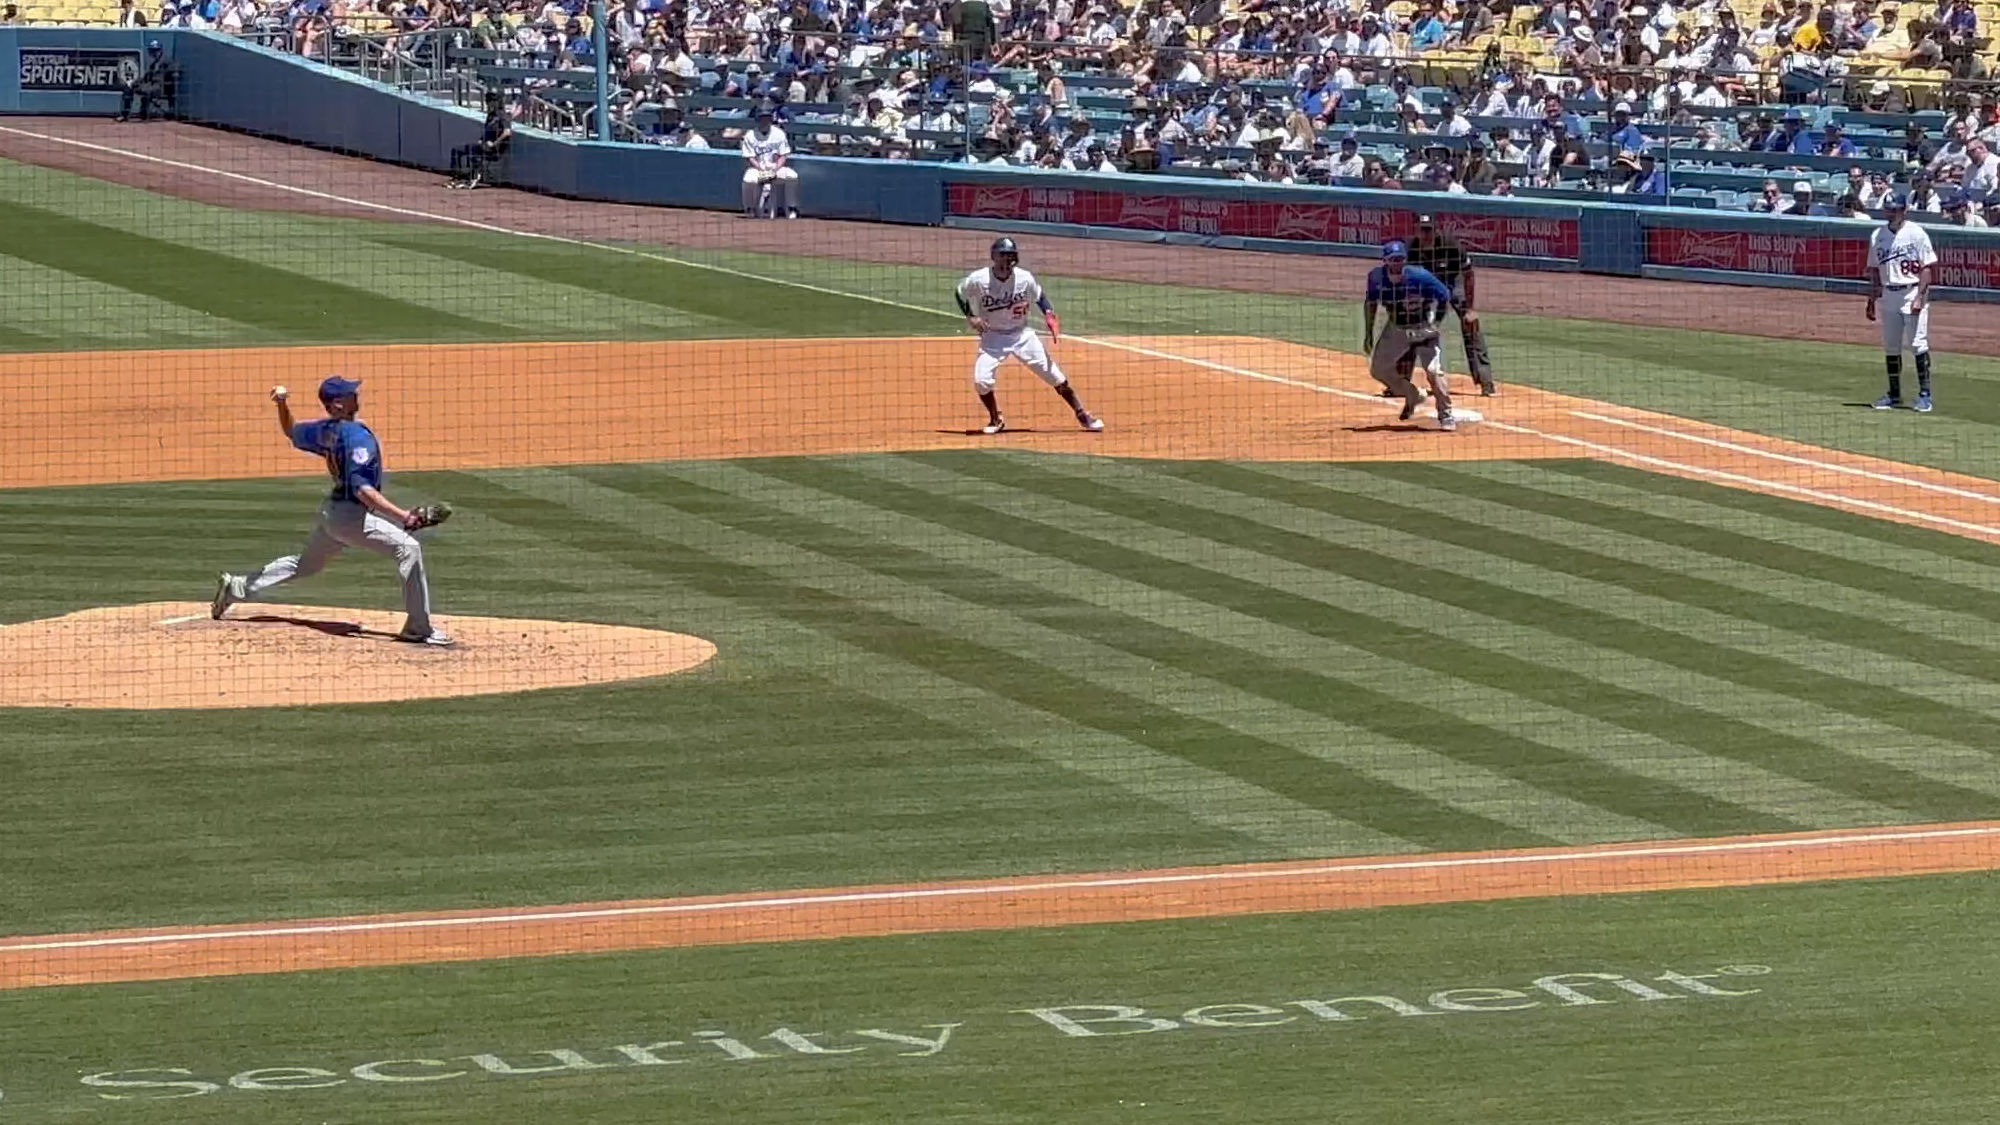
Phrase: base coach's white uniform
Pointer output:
(1900, 254)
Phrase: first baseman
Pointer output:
(1900, 258)
(1416, 301)
(355, 515)
(995, 300)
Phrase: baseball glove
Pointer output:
(427, 515)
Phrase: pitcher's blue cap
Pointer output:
(336, 387)
(1394, 250)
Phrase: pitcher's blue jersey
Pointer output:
(353, 456)
(1414, 300)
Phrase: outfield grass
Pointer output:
(1854, 1024)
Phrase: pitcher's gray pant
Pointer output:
(342, 524)
(1397, 355)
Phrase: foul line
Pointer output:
(1611, 451)
(1006, 889)
(1736, 447)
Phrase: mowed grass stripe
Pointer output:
(1933, 778)
(1381, 808)
(1098, 608)
(1452, 658)
(1544, 767)
(274, 300)
(748, 306)
(1823, 622)
(49, 309)
(1861, 575)
(1905, 607)
(1912, 712)
(1077, 662)
(1265, 824)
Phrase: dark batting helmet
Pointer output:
(1005, 246)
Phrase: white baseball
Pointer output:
(278, 394)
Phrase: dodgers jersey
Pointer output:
(1899, 254)
(1003, 304)
(353, 456)
(1412, 301)
(762, 150)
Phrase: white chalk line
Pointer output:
(181, 620)
(1002, 890)
(1847, 470)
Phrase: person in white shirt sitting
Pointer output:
(1349, 163)
(1982, 169)
(767, 157)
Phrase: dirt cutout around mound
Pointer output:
(170, 655)
(993, 904)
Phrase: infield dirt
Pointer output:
(131, 417)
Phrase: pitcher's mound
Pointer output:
(168, 655)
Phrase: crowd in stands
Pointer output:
(1474, 96)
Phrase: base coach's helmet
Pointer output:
(1005, 246)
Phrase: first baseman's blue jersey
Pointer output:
(1413, 300)
(353, 456)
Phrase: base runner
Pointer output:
(1900, 258)
(1416, 302)
(995, 300)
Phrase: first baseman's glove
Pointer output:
(427, 515)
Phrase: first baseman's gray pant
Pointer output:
(1418, 344)
(345, 523)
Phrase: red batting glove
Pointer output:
(1055, 325)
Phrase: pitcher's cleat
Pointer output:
(228, 591)
(1090, 421)
(434, 638)
(997, 425)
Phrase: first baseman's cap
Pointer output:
(1395, 251)
(1005, 246)
(1896, 202)
(334, 386)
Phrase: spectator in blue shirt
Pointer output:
(1651, 178)
(1833, 144)
(1625, 138)
(1791, 136)
(1427, 30)
(1553, 114)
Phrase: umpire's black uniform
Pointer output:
(1441, 254)
(470, 162)
(158, 84)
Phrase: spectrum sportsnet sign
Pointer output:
(1258, 218)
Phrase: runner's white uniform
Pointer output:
(761, 151)
(1006, 306)
(1900, 254)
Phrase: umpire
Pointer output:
(470, 162)
(157, 84)
(1440, 254)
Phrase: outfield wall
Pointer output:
(237, 85)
